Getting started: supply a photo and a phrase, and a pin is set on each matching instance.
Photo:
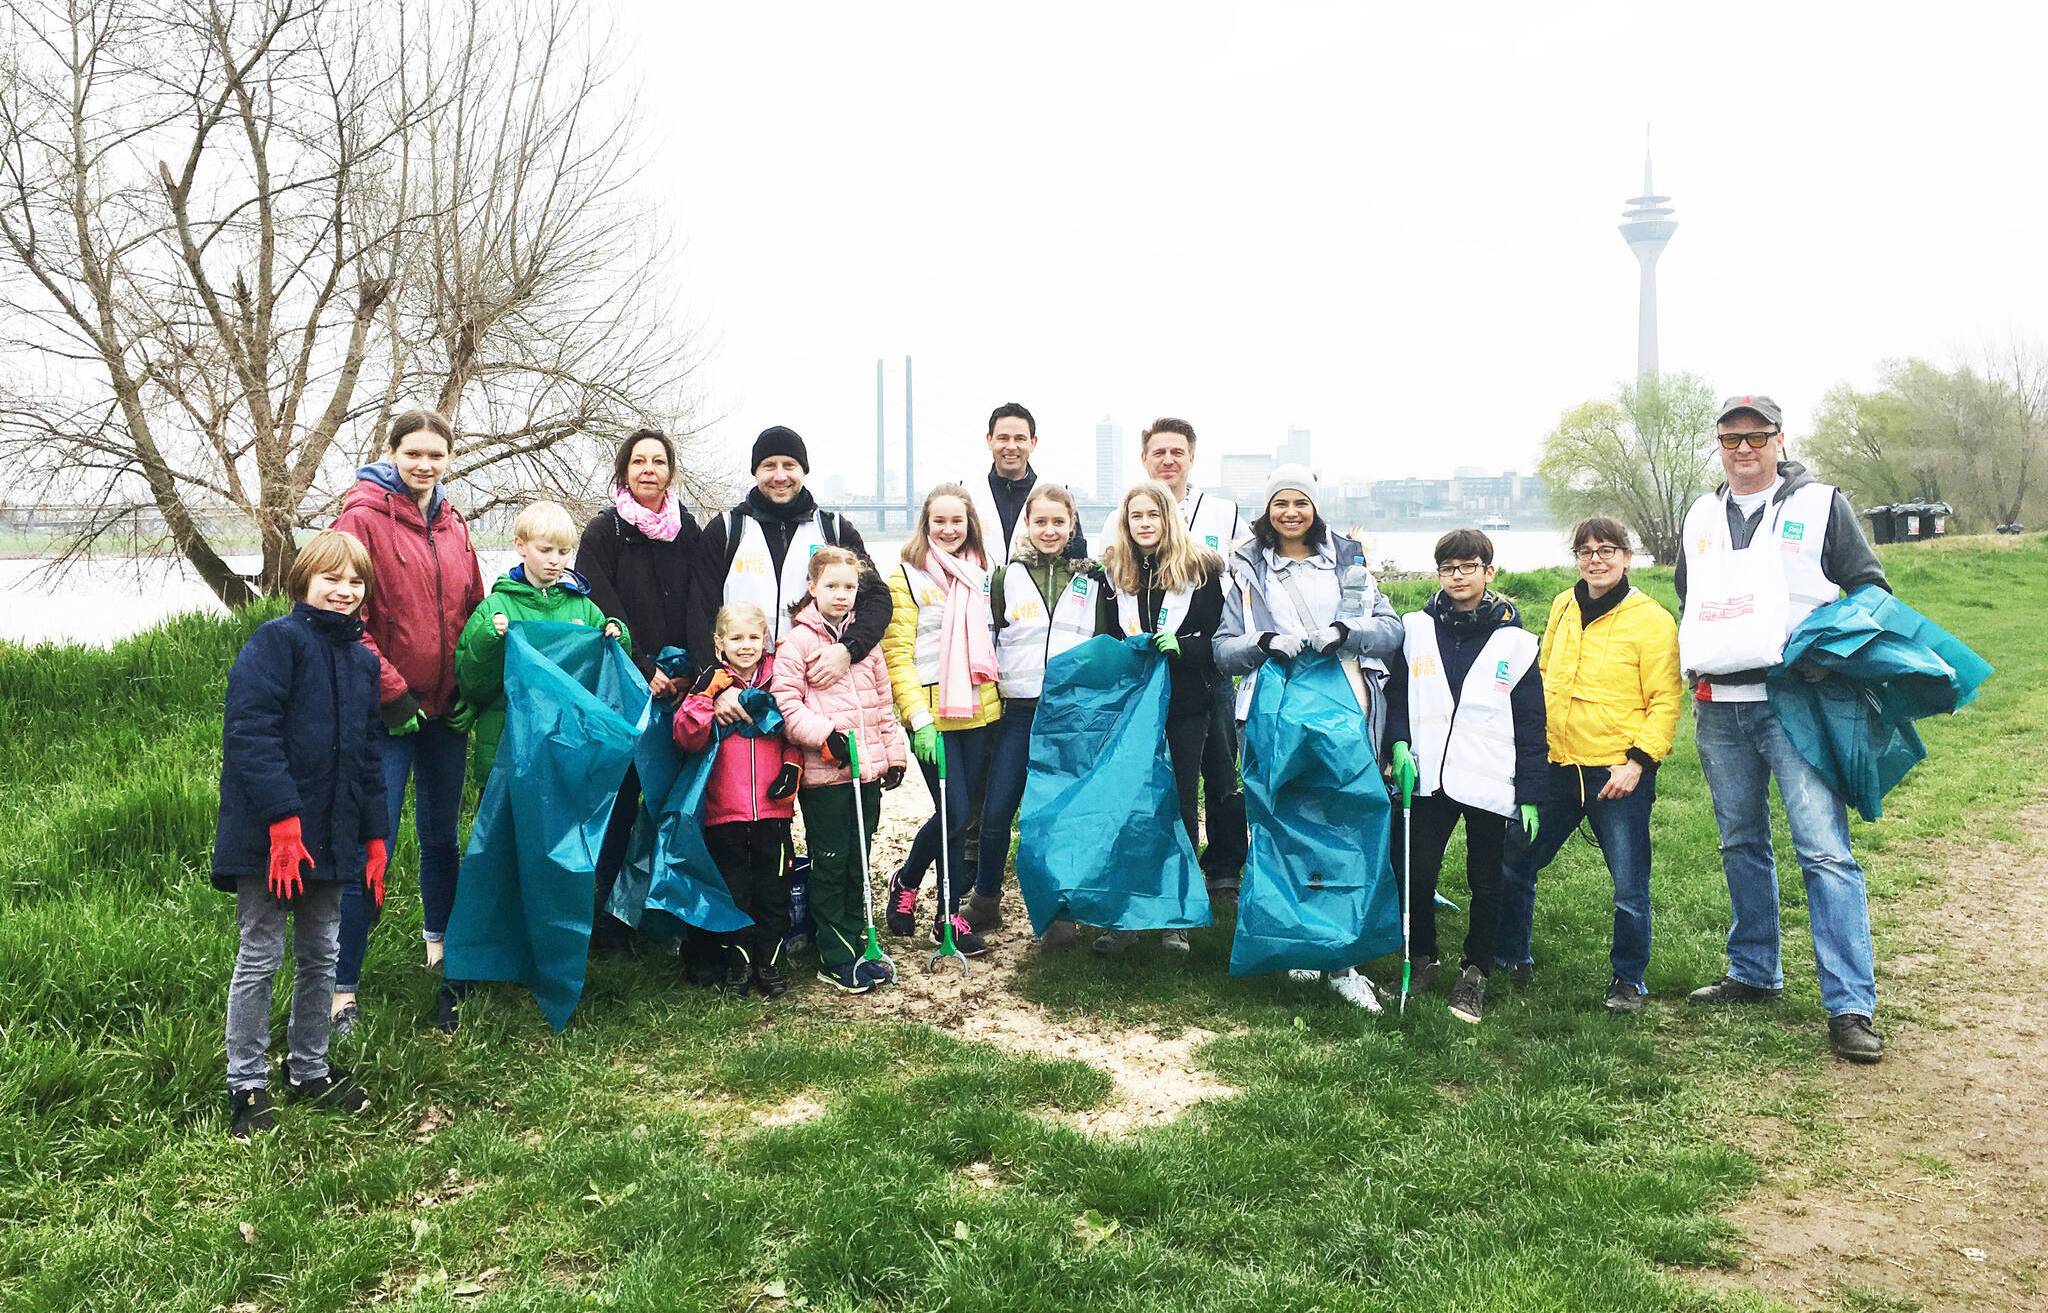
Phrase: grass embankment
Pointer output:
(1555, 1158)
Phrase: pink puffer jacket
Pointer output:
(746, 764)
(860, 704)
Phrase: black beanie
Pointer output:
(780, 441)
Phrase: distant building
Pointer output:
(1244, 481)
(1109, 460)
(1295, 451)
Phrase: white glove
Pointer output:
(1284, 646)
(1330, 637)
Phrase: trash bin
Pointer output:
(1918, 521)
(1881, 524)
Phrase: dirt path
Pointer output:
(1938, 1198)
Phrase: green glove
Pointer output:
(924, 744)
(1166, 643)
(413, 726)
(1404, 772)
(461, 717)
(1529, 820)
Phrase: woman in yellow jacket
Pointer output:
(1611, 692)
(940, 649)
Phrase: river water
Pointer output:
(114, 597)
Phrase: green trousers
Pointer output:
(836, 867)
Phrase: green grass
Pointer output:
(1552, 1159)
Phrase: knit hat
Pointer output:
(1300, 478)
(780, 441)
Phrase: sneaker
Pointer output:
(1851, 1038)
(1522, 974)
(1223, 891)
(1303, 976)
(737, 982)
(1058, 937)
(1624, 997)
(768, 979)
(343, 1023)
(1356, 990)
(447, 1009)
(874, 974)
(1111, 942)
(1423, 977)
(965, 941)
(1730, 990)
(845, 978)
(984, 912)
(334, 1090)
(1468, 996)
(901, 916)
(249, 1112)
(1174, 941)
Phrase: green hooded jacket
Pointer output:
(480, 651)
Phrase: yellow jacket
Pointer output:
(914, 697)
(1613, 686)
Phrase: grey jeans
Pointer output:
(318, 913)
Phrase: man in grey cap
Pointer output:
(1757, 556)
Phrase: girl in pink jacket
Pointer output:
(831, 720)
(747, 801)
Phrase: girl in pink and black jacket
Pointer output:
(748, 801)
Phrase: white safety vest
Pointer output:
(998, 547)
(1741, 606)
(1030, 637)
(1212, 521)
(931, 620)
(1466, 748)
(752, 576)
(1171, 612)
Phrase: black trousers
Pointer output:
(607, 932)
(1223, 793)
(1435, 816)
(750, 857)
(1187, 736)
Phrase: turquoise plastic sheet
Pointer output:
(1100, 839)
(1319, 891)
(1888, 666)
(575, 707)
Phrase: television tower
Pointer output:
(1647, 230)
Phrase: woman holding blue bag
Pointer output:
(1298, 587)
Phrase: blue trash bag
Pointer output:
(1319, 891)
(574, 706)
(1100, 839)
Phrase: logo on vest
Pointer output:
(1079, 587)
(814, 548)
(1422, 667)
(1160, 621)
(1500, 675)
(1793, 537)
(1728, 608)
(1211, 540)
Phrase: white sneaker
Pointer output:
(1304, 976)
(435, 952)
(1355, 990)
(1175, 941)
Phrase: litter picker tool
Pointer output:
(947, 948)
(1407, 879)
(873, 952)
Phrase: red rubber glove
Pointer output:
(287, 854)
(376, 857)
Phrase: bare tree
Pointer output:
(236, 234)
(1642, 457)
(1867, 444)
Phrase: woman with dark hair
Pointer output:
(428, 582)
(635, 555)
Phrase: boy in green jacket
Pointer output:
(540, 587)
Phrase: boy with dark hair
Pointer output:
(1468, 696)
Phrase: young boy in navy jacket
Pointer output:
(1469, 699)
(301, 815)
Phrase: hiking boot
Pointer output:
(343, 1023)
(1730, 990)
(1852, 1039)
(249, 1112)
(1468, 996)
(844, 978)
(334, 1090)
(965, 940)
(1112, 942)
(1423, 978)
(1624, 997)
(1356, 990)
(769, 980)
(447, 1009)
(1058, 937)
(1174, 941)
(901, 914)
(873, 974)
(984, 912)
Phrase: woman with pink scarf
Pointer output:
(635, 555)
(940, 649)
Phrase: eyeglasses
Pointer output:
(1604, 552)
(1460, 569)
(1757, 441)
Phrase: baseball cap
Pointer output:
(1759, 404)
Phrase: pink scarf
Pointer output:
(662, 525)
(967, 648)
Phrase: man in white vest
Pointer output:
(999, 499)
(1757, 555)
(760, 552)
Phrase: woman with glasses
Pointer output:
(1611, 695)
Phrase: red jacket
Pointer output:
(746, 764)
(428, 580)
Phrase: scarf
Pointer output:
(967, 649)
(662, 525)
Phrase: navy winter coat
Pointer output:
(299, 737)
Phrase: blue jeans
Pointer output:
(1006, 774)
(434, 759)
(967, 754)
(1742, 746)
(1622, 826)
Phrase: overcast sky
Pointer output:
(1395, 227)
